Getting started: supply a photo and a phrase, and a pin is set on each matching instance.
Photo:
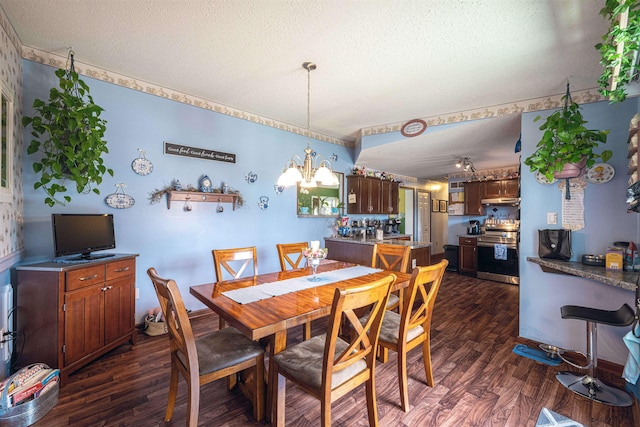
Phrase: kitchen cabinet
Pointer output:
(472, 196)
(500, 188)
(371, 196)
(468, 255)
(390, 195)
(70, 314)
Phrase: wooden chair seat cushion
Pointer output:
(390, 328)
(222, 349)
(303, 361)
(393, 300)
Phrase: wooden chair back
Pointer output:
(290, 254)
(181, 339)
(391, 257)
(413, 327)
(423, 289)
(234, 261)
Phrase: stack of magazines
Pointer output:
(28, 384)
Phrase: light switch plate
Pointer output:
(552, 217)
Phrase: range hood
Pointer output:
(501, 201)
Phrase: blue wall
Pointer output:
(176, 242)
(606, 221)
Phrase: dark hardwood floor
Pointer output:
(479, 380)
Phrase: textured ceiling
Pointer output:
(379, 62)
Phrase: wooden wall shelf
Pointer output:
(196, 196)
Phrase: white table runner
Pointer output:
(268, 290)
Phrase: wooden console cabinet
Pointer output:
(70, 314)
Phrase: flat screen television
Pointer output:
(83, 234)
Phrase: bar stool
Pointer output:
(588, 385)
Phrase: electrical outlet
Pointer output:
(137, 293)
(552, 217)
(2, 332)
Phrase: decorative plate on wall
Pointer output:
(141, 165)
(600, 173)
(119, 200)
(543, 179)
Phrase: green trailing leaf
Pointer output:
(68, 140)
(610, 58)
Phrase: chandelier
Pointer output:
(466, 164)
(313, 169)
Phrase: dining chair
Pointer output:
(290, 256)
(286, 252)
(208, 358)
(327, 366)
(234, 262)
(405, 331)
(395, 258)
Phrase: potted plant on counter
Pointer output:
(566, 149)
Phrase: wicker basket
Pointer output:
(152, 328)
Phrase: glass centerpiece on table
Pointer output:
(314, 254)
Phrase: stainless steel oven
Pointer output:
(498, 254)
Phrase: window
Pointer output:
(6, 146)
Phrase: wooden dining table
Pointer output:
(272, 317)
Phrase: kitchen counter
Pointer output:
(391, 239)
(359, 250)
(618, 278)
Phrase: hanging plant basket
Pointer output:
(567, 142)
(68, 139)
(572, 170)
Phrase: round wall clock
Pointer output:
(119, 200)
(413, 128)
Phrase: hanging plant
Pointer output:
(69, 139)
(619, 50)
(566, 140)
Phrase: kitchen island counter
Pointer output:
(618, 278)
(389, 239)
(360, 250)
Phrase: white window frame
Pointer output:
(6, 191)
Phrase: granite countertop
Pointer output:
(621, 279)
(393, 239)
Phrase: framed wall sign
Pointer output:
(413, 128)
(443, 206)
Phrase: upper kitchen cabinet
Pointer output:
(390, 195)
(472, 195)
(371, 196)
(501, 188)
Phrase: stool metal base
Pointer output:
(593, 389)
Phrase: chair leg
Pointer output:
(402, 379)
(372, 406)
(193, 401)
(173, 392)
(325, 411)
(426, 357)
(259, 391)
(383, 354)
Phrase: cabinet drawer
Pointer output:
(77, 279)
(472, 241)
(122, 268)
